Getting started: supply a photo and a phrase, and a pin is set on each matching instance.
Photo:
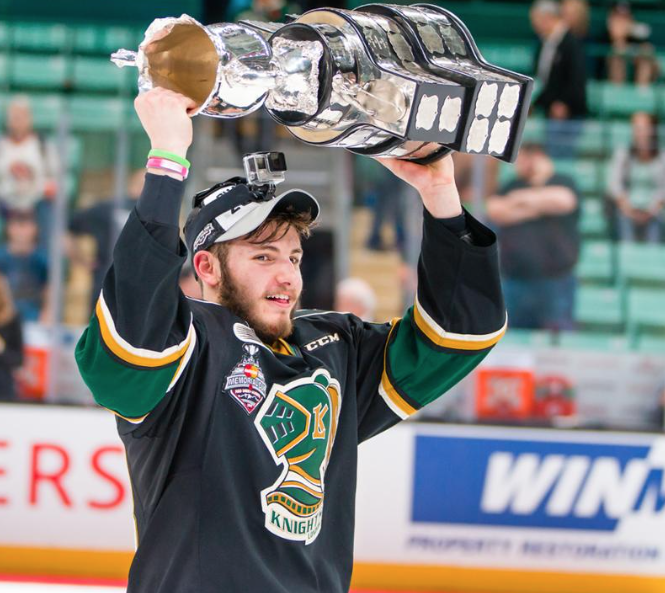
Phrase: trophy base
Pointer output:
(435, 156)
(377, 151)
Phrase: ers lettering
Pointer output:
(49, 473)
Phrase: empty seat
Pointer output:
(641, 263)
(621, 133)
(34, 71)
(44, 37)
(517, 57)
(4, 35)
(595, 306)
(98, 74)
(625, 99)
(96, 114)
(596, 263)
(114, 38)
(593, 222)
(584, 172)
(593, 139)
(646, 310)
(47, 111)
(651, 344)
(4, 69)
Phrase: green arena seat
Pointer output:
(592, 140)
(4, 35)
(584, 340)
(641, 263)
(651, 344)
(625, 99)
(47, 111)
(34, 71)
(596, 306)
(534, 130)
(620, 133)
(98, 74)
(596, 263)
(516, 57)
(74, 148)
(594, 93)
(114, 38)
(39, 37)
(86, 39)
(4, 69)
(96, 114)
(646, 310)
(526, 337)
(593, 222)
(585, 173)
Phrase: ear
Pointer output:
(207, 268)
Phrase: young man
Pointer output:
(240, 415)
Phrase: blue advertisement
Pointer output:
(534, 484)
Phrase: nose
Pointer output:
(287, 273)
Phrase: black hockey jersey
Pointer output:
(242, 456)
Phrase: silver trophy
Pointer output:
(381, 80)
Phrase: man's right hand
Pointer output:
(165, 116)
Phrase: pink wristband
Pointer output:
(167, 165)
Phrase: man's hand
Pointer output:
(165, 117)
(434, 182)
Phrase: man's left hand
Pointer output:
(434, 182)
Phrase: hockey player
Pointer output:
(241, 416)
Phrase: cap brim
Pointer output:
(296, 199)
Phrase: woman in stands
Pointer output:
(637, 183)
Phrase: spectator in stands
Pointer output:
(637, 183)
(103, 223)
(630, 47)
(575, 14)
(536, 217)
(25, 265)
(355, 295)
(27, 166)
(11, 342)
(560, 67)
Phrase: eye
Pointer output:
(295, 261)
(262, 257)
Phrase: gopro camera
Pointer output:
(264, 168)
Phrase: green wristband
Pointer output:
(171, 156)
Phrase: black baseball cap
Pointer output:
(233, 209)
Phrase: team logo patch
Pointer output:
(246, 383)
(298, 423)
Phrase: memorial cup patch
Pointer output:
(298, 423)
(246, 383)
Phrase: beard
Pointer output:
(231, 296)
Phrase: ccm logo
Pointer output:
(329, 339)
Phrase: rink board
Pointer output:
(439, 507)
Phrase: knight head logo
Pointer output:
(298, 423)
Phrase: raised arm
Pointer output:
(141, 335)
(458, 314)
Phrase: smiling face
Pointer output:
(260, 281)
